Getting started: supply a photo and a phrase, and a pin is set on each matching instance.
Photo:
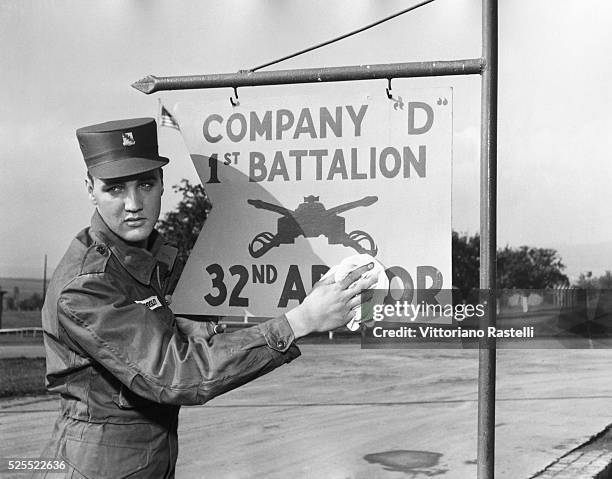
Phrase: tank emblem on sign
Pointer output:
(310, 219)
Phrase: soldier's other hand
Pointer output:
(330, 305)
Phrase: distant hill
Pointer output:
(580, 258)
(27, 286)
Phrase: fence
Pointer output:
(22, 332)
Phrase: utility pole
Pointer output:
(2, 293)
(44, 291)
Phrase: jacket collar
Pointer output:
(138, 262)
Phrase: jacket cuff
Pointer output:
(278, 333)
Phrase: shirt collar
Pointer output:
(139, 262)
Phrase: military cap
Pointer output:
(120, 148)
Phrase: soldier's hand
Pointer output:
(330, 305)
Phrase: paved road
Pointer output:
(340, 412)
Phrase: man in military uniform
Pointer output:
(120, 360)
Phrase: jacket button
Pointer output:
(101, 249)
(219, 328)
(280, 344)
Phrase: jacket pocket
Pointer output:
(104, 461)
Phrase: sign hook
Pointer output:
(388, 90)
(234, 99)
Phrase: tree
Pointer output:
(605, 281)
(587, 281)
(529, 268)
(34, 302)
(10, 303)
(466, 264)
(524, 267)
(182, 226)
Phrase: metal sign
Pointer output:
(298, 183)
(486, 66)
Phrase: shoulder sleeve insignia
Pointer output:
(152, 302)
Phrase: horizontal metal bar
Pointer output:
(151, 84)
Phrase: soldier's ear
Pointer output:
(89, 186)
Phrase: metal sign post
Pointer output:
(488, 239)
(486, 66)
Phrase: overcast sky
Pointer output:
(66, 64)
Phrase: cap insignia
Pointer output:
(128, 138)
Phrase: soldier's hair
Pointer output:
(161, 175)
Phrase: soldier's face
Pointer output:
(129, 206)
